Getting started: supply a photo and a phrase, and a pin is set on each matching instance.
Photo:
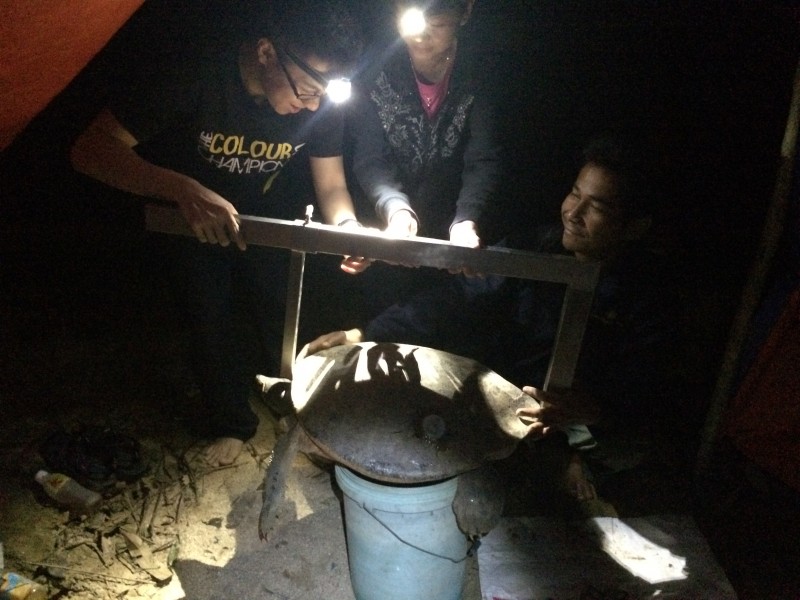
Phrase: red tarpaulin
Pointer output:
(764, 416)
(44, 44)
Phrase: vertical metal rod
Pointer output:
(294, 296)
(575, 311)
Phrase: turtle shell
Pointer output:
(406, 414)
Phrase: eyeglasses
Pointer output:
(315, 76)
(338, 90)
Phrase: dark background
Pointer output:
(708, 83)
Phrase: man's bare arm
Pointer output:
(105, 151)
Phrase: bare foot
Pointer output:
(575, 481)
(223, 451)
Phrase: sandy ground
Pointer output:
(183, 530)
(197, 534)
(100, 345)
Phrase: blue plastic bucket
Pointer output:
(403, 542)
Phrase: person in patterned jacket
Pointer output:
(425, 149)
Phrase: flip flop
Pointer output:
(66, 453)
(122, 452)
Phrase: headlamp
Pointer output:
(338, 90)
(412, 22)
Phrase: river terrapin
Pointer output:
(401, 414)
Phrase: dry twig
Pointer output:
(90, 574)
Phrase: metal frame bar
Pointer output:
(291, 321)
(302, 237)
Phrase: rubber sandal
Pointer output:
(122, 451)
(67, 453)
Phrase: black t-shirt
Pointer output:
(195, 117)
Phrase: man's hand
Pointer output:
(212, 218)
(353, 265)
(465, 233)
(558, 409)
(403, 224)
(329, 340)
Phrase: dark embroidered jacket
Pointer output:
(445, 169)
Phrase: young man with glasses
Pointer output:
(212, 136)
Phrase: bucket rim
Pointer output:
(392, 498)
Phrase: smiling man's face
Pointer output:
(594, 227)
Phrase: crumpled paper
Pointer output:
(637, 554)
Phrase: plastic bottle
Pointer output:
(17, 587)
(68, 492)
